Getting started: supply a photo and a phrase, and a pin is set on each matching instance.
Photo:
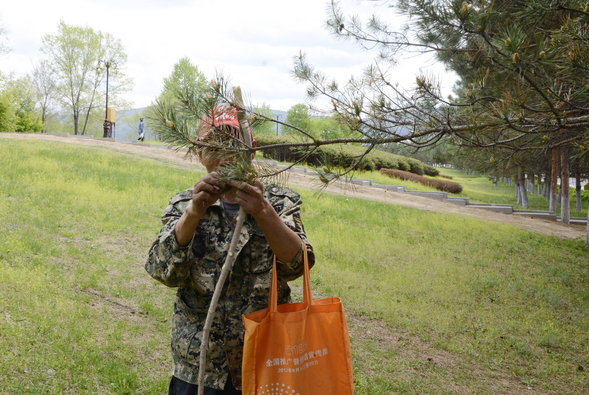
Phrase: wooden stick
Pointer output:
(228, 265)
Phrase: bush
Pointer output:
(431, 171)
(367, 165)
(416, 166)
(440, 185)
(445, 176)
(341, 156)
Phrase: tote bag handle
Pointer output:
(307, 296)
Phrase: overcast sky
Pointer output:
(253, 42)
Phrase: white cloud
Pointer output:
(252, 42)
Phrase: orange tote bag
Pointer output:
(297, 348)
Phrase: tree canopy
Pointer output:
(266, 127)
(185, 79)
(298, 116)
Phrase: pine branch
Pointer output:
(228, 265)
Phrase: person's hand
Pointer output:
(206, 192)
(250, 197)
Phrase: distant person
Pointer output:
(141, 130)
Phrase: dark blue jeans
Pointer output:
(179, 387)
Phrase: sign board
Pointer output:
(111, 114)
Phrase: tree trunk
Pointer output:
(522, 188)
(547, 184)
(517, 189)
(539, 184)
(76, 123)
(578, 197)
(532, 179)
(43, 118)
(553, 180)
(86, 120)
(587, 236)
(527, 182)
(565, 209)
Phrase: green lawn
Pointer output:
(438, 303)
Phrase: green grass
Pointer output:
(78, 315)
(439, 303)
(479, 189)
(501, 297)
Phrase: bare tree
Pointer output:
(47, 92)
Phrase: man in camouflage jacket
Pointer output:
(189, 253)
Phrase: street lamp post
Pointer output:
(106, 64)
(278, 118)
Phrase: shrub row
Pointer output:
(445, 176)
(342, 155)
(440, 185)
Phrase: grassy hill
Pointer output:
(437, 303)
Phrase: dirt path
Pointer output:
(306, 181)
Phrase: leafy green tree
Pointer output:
(17, 106)
(298, 116)
(328, 128)
(73, 55)
(7, 110)
(186, 79)
(265, 126)
(186, 84)
(28, 116)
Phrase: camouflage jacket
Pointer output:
(195, 269)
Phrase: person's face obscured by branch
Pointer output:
(213, 159)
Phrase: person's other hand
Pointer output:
(250, 196)
(206, 192)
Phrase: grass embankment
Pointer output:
(441, 304)
(479, 190)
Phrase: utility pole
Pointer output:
(278, 118)
(106, 64)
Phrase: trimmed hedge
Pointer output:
(440, 185)
(342, 155)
